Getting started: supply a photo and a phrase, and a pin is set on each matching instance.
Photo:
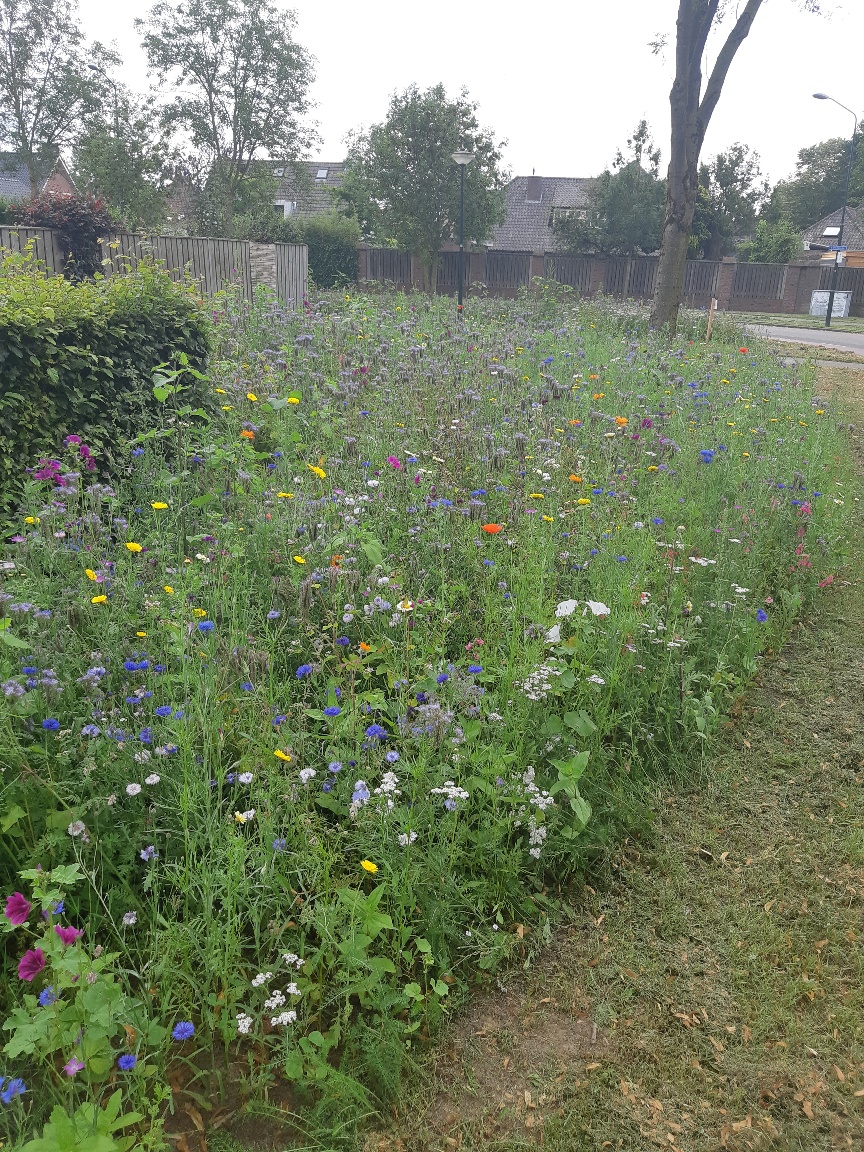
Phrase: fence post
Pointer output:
(362, 262)
(725, 280)
(598, 275)
(790, 287)
(537, 266)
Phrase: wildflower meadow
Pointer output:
(316, 700)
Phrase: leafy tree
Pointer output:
(79, 221)
(44, 81)
(731, 191)
(816, 189)
(123, 156)
(241, 85)
(692, 109)
(624, 216)
(402, 185)
(774, 243)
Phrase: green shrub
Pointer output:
(78, 358)
(331, 238)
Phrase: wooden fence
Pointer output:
(213, 263)
(759, 282)
(292, 269)
(44, 245)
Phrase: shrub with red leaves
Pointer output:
(79, 221)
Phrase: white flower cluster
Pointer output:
(538, 684)
(540, 800)
(275, 1001)
(244, 1023)
(293, 960)
(306, 774)
(261, 978)
(388, 789)
(406, 838)
(451, 792)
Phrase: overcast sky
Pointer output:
(565, 81)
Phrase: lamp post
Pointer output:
(463, 159)
(833, 288)
(102, 72)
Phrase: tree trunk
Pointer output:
(691, 114)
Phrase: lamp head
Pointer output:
(820, 96)
(462, 157)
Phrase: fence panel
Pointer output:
(389, 264)
(46, 246)
(448, 270)
(572, 270)
(848, 280)
(214, 263)
(507, 269)
(758, 281)
(292, 267)
(643, 277)
(701, 278)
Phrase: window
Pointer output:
(321, 174)
(278, 171)
(831, 232)
(285, 207)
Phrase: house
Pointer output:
(532, 203)
(306, 188)
(822, 235)
(54, 177)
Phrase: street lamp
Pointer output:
(102, 72)
(463, 159)
(830, 309)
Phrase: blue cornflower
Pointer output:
(163, 710)
(391, 757)
(277, 720)
(474, 669)
(343, 641)
(332, 710)
(179, 714)
(657, 520)
(273, 614)
(148, 853)
(334, 766)
(479, 492)
(279, 844)
(127, 1062)
(51, 725)
(30, 671)
(303, 670)
(137, 451)
(621, 559)
(327, 786)
(247, 686)
(146, 735)
(488, 563)
(58, 907)
(817, 494)
(48, 996)
(130, 665)
(376, 732)
(205, 625)
(596, 491)
(15, 1087)
(761, 615)
(421, 697)
(706, 455)
(594, 552)
(185, 1030)
(159, 667)
(360, 795)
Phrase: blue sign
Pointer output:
(838, 248)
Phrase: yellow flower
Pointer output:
(133, 547)
(199, 612)
(160, 504)
(141, 635)
(285, 495)
(653, 468)
(745, 453)
(319, 472)
(168, 590)
(293, 400)
(98, 599)
(280, 755)
(820, 411)
(535, 495)
(221, 391)
(405, 605)
(227, 408)
(251, 396)
(368, 866)
(298, 559)
(89, 573)
(583, 500)
(548, 519)
(621, 421)
(32, 520)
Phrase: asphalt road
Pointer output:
(845, 341)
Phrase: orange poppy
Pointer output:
(365, 647)
(247, 435)
(492, 529)
(335, 560)
(576, 479)
(621, 421)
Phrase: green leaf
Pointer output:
(580, 722)
(373, 550)
(440, 988)
(11, 817)
(422, 945)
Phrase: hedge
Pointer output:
(78, 358)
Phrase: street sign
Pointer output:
(838, 248)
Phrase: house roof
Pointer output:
(311, 189)
(15, 179)
(853, 230)
(530, 202)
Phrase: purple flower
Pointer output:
(51, 725)
(247, 686)
(343, 641)
(31, 964)
(361, 793)
(185, 1030)
(163, 710)
(148, 853)
(334, 766)
(15, 1087)
(391, 757)
(73, 1065)
(279, 844)
(68, 935)
(146, 735)
(273, 614)
(127, 1062)
(18, 908)
(332, 710)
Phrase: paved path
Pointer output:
(827, 338)
(853, 365)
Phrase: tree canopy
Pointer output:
(817, 187)
(402, 184)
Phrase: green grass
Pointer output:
(718, 970)
(848, 324)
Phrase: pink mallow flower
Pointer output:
(72, 1066)
(68, 935)
(31, 964)
(18, 908)
(393, 461)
